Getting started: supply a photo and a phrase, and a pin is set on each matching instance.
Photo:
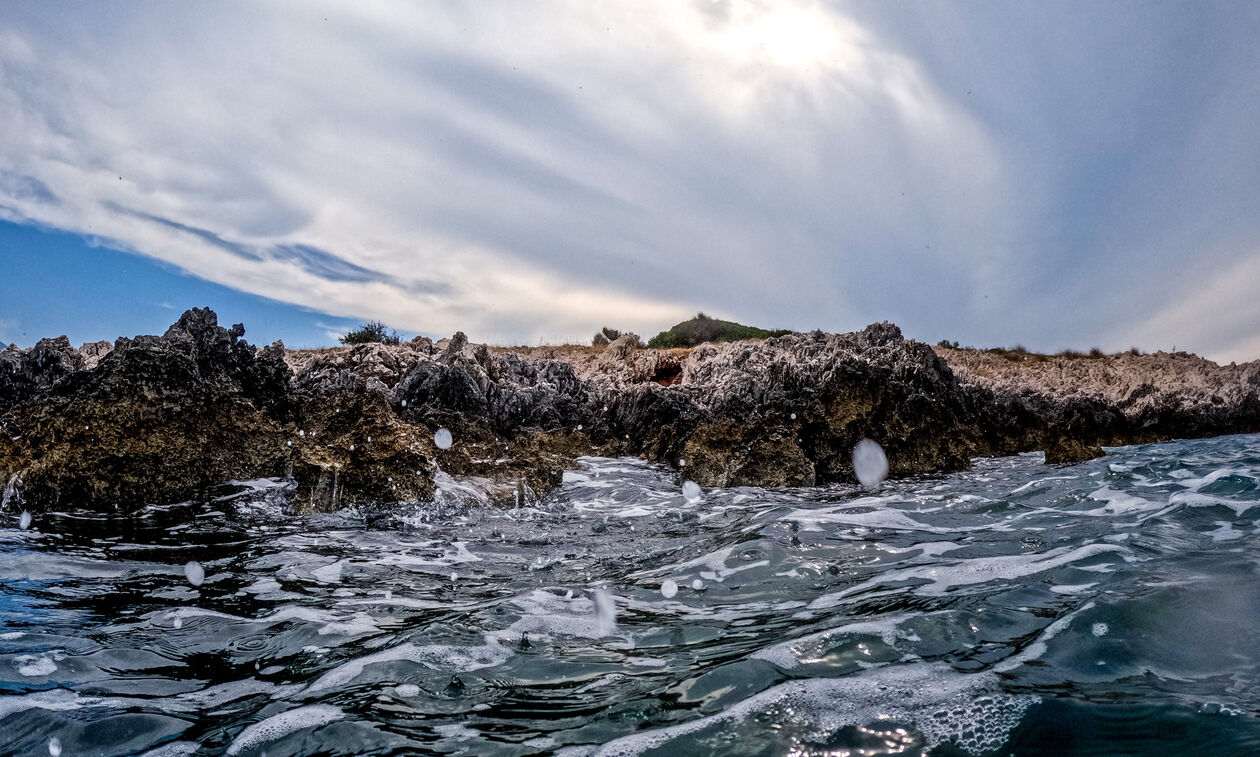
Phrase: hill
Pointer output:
(702, 329)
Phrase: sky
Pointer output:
(1056, 175)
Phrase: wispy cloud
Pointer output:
(530, 170)
(522, 171)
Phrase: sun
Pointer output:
(788, 36)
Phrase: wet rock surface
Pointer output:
(156, 419)
(1072, 406)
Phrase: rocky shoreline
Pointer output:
(158, 419)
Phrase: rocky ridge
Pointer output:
(157, 419)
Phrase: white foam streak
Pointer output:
(792, 654)
(943, 704)
(453, 659)
(279, 726)
(1194, 499)
(942, 577)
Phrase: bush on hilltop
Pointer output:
(702, 329)
(372, 331)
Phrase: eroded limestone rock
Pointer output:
(156, 419)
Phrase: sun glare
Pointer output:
(788, 36)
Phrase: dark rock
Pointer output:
(25, 373)
(1067, 450)
(156, 419)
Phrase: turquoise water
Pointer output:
(1105, 608)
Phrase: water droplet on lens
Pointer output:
(605, 613)
(668, 589)
(54, 747)
(178, 622)
(870, 464)
(404, 403)
(443, 439)
(691, 491)
(579, 427)
(697, 584)
(352, 448)
(194, 572)
(25, 521)
(793, 416)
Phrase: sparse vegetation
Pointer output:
(372, 331)
(702, 329)
(605, 336)
(1019, 353)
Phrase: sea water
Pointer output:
(1111, 607)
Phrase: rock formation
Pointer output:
(159, 419)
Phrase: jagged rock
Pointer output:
(841, 388)
(25, 373)
(1130, 398)
(456, 343)
(92, 352)
(352, 449)
(157, 419)
(622, 347)
(375, 362)
(1067, 450)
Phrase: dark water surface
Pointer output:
(1106, 608)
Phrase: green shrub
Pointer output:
(372, 331)
(702, 329)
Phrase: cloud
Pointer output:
(533, 170)
(1226, 298)
(525, 172)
